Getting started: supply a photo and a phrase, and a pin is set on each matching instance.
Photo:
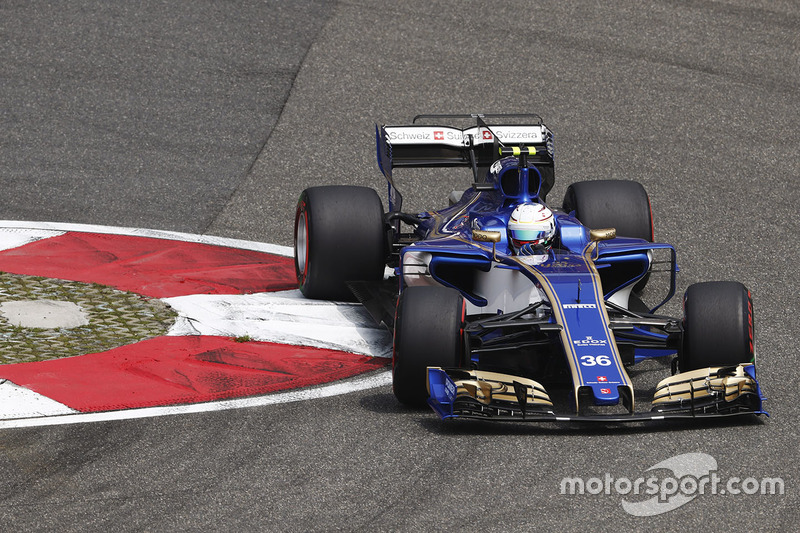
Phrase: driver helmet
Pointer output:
(531, 229)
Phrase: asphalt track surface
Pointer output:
(206, 117)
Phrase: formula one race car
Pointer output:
(505, 308)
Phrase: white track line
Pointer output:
(335, 389)
(61, 227)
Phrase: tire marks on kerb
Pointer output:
(285, 317)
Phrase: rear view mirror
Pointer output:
(602, 234)
(488, 236)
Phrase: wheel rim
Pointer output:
(301, 245)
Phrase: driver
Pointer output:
(531, 229)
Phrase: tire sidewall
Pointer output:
(718, 326)
(301, 222)
(620, 204)
(345, 240)
(428, 332)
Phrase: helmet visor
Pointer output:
(529, 235)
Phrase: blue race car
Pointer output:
(506, 308)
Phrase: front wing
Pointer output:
(709, 392)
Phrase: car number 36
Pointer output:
(591, 360)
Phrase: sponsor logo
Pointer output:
(409, 135)
(589, 341)
(605, 391)
(480, 135)
(519, 135)
(579, 306)
(450, 389)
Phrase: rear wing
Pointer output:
(476, 146)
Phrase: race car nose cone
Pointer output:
(46, 314)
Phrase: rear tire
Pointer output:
(619, 204)
(428, 332)
(717, 326)
(339, 236)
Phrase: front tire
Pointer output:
(428, 332)
(717, 326)
(339, 236)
